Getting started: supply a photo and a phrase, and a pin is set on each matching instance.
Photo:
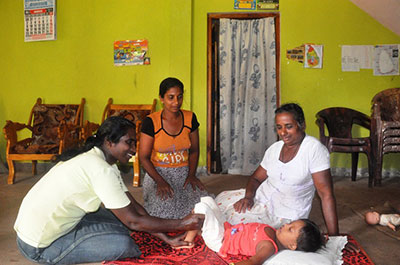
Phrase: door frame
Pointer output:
(212, 75)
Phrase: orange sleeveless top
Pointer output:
(170, 150)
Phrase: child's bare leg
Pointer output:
(190, 236)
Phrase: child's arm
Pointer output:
(265, 249)
(391, 226)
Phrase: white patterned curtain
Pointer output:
(247, 83)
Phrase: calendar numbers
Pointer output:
(39, 22)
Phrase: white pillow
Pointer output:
(330, 255)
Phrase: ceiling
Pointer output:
(387, 12)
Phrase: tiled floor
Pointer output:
(352, 198)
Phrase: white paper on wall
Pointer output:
(386, 60)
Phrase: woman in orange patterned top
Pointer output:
(169, 152)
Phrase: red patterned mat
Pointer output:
(155, 251)
(360, 258)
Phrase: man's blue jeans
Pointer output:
(98, 236)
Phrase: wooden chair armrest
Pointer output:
(10, 131)
(12, 127)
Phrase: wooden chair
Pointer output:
(385, 127)
(54, 127)
(133, 112)
(339, 122)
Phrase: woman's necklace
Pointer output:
(288, 154)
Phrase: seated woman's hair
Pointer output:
(112, 129)
(169, 82)
(294, 109)
(310, 238)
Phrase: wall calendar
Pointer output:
(40, 20)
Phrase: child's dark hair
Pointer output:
(169, 82)
(112, 129)
(295, 110)
(310, 238)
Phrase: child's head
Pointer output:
(372, 218)
(302, 234)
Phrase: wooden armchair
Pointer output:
(133, 112)
(54, 127)
(339, 122)
(385, 127)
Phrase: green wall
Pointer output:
(330, 23)
(80, 62)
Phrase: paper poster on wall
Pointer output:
(386, 60)
(296, 54)
(130, 52)
(313, 56)
(245, 4)
(267, 4)
(40, 20)
(356, 57)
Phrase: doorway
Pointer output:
(214, 164)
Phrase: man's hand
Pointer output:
(243, 204)
(177, 241)
(192, 221)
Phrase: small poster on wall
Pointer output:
(267, 4)
(130, 52)
(313, 56)
(296, 54)
(40, 20)
(245, 4)
(386, 60)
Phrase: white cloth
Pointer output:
(394, 219)
(213, 226)
(59, 200)
(288, 191)
(258, 214)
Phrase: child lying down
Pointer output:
(257, 240)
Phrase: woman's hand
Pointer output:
(164, 190)
(194, 182)
(243, 204)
